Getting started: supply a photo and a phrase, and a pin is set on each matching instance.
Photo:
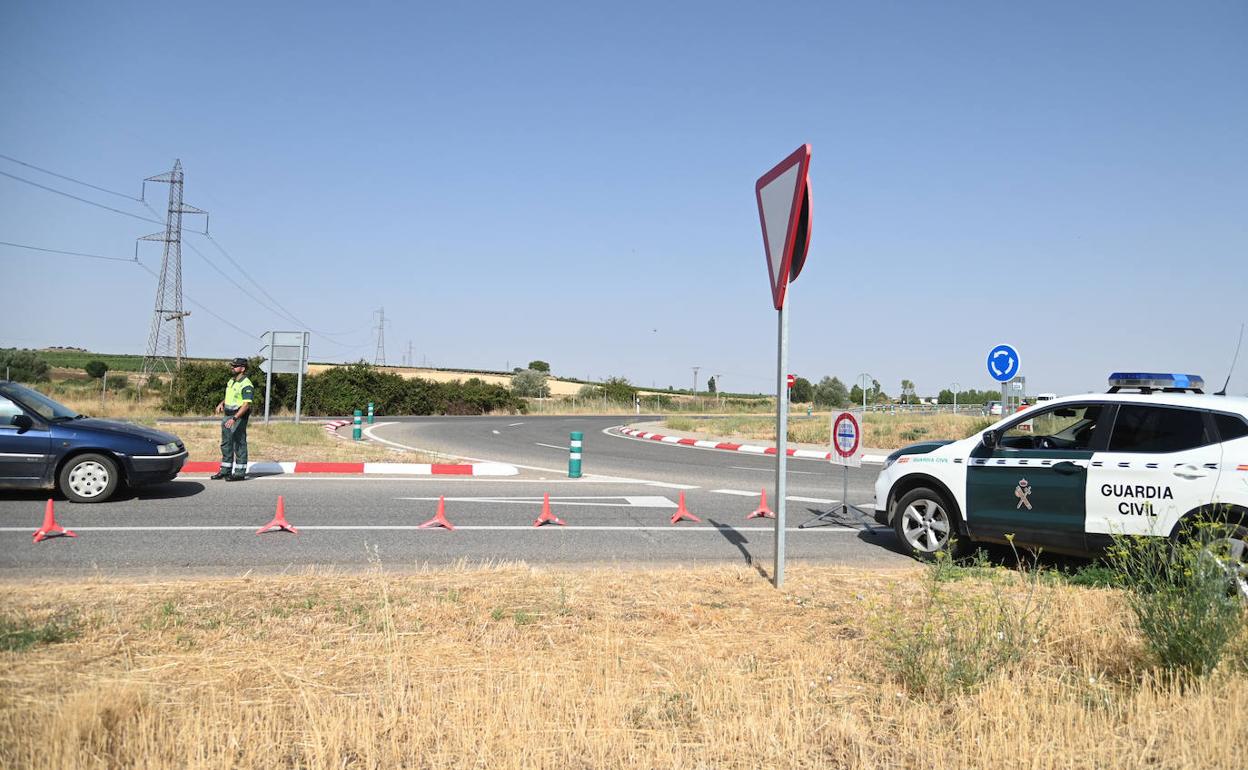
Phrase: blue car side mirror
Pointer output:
(23, 423)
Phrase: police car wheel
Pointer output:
(89, 478)
(1226, 546)
(923, 521)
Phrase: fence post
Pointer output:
(574, 455)
(355, 428)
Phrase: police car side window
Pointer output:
(1063, 427)
(1157, 429)
(1230, 427)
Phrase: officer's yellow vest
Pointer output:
(238, 393)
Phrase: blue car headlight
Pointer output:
(168, 449)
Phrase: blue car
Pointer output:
(46, 445)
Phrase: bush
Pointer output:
(964, 637)
(619, 389)
(198, 387)
(530, 383)
(23, 365)
(95, 369)
(1183, 602)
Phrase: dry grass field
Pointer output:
(510, 666)
(881, 430)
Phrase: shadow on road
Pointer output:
(167, 491)
(734, 536)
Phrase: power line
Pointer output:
(200, 305)
(150, 272)
(237, 285)
(82, 200)
(70, 253)
(68, 178)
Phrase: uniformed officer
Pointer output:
(236, 407)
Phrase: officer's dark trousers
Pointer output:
(234, 447)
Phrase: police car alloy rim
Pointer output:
(88, 479)
(925, 525)
(1230, 554)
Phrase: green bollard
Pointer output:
(370, 412)
(574, 455)
(807, 412)
(355, 430)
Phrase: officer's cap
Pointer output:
(240, 361)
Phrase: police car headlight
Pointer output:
(168, 449)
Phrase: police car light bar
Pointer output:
(1147, 382)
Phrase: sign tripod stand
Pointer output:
(846, 452)
(837, 512)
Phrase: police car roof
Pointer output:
(1238, 404)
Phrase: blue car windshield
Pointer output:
(41, 404)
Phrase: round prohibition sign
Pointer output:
(845, 435)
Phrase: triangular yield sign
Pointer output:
(783, 196)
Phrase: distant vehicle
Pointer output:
(993, 408)
(1042, 397)
(47, 445)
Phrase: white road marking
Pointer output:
(819, 500)
(742, 493)
(417, 528)
(552, 446)
(633, 501)
(590, 478)
(496, 433)
(773, 470)
(514, 424)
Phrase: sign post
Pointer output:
(1003, 366)
(783, 197)
(284, 353)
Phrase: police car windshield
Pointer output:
(39, 403)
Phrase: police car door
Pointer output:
(1033, 484)
(1162, 462)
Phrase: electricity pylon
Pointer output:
(167, 339)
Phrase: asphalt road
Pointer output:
(617, 514)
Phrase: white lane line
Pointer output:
(773, 470)
(819, 500)
(590, 478)
(740, 492)
(632, 501)
(417, 528)
(496, 433)
(514, 424)
(552, 446)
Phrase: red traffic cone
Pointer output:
(682, 512)
(439, 518)
(50, 528)
(279, 521)
(762, 511)
(547, 517)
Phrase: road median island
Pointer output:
(507, 665)
(701, 440)
(317, 448)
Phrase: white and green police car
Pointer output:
(1151, 455)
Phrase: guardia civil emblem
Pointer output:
(1022, 492)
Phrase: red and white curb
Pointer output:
(729, 446)
(332, 427)
(387, 469)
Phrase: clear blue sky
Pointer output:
(574, 182)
